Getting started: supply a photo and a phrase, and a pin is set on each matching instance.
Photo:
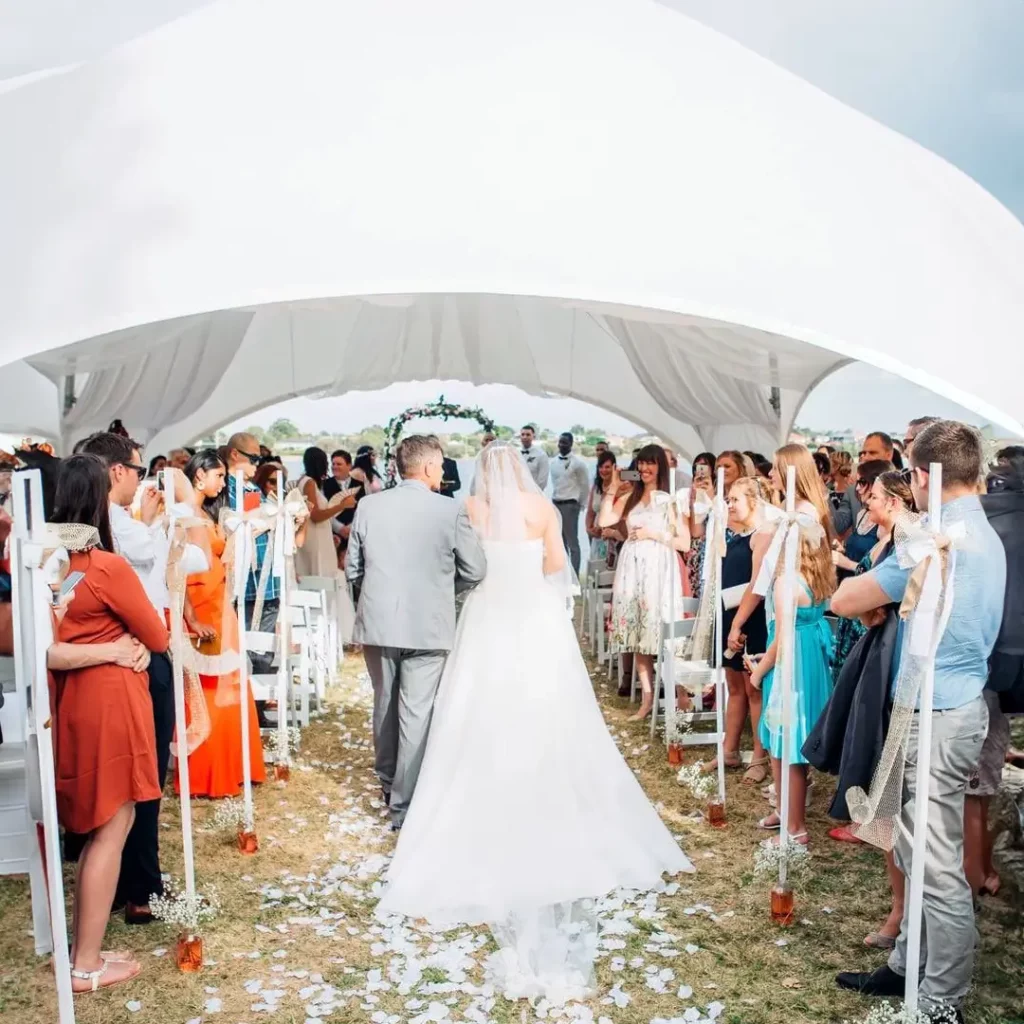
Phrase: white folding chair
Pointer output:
(19, 847)
(325, 622)
(602, 600)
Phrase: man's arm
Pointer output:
(470, 560)
(881, 586)
(354, 567)
(542, 469)
(136, 542)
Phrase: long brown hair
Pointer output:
(817, 569)
(649, 453)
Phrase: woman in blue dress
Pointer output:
(812, 676)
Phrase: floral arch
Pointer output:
(439, 410)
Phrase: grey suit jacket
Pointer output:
(845, 515)
(407, 548)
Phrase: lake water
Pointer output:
(467, 469)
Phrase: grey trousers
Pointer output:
(949, 935)
(570, 513)
(404, 688)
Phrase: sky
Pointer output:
(947, 73)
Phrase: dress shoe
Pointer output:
(882, 982)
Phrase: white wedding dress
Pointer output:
(525, 811)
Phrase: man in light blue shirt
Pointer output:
(959, 724)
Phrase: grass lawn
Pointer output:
(296, 940)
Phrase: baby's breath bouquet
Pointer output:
(230, 816)
(186, 911)
(283, 752)
(886, 1013)
(768, 855)
(700, 783)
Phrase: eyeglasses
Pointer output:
(141, 470)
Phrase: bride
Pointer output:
(525, 811)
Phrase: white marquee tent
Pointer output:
(594, 198)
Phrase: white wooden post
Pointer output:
(784, 662)
(243, 557)
(924, 764)
(285, 544)
(669, 684)
(180, 724)
(720, 688)
(33, 634)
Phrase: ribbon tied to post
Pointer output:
(928, 599)
(808, 527)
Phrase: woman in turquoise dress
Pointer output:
(812, 677)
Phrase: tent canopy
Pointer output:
(596, 198)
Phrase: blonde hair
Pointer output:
(808, 485)
(816, 568)
(841, 463)
(756, 490)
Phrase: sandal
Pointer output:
(756, 773)
(800, 838)
(767, 825)
(95, 978)
(876, 940)
(733, 762)
(843, 835)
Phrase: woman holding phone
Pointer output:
(647, 571)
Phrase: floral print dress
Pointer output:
(646, 577)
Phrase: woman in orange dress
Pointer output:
(105, 746)
(215, 767)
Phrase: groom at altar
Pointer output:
(406, 614)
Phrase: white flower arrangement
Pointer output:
(700, 784)
(887, 1013)
(768, 855)
(675, 732)
(230, 816)
(177, 907)
(291, 745)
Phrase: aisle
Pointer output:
(296, 941)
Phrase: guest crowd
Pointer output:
(651, 523)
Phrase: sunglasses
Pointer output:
(141, 470)
(253, 459)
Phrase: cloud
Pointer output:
(948, 74)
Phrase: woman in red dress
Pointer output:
(215, 767)
(105, 747)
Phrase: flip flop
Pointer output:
(765, 826)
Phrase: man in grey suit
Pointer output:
(407, 549)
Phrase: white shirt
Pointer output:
(570, 479)
(537, 460)
(147, 548)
